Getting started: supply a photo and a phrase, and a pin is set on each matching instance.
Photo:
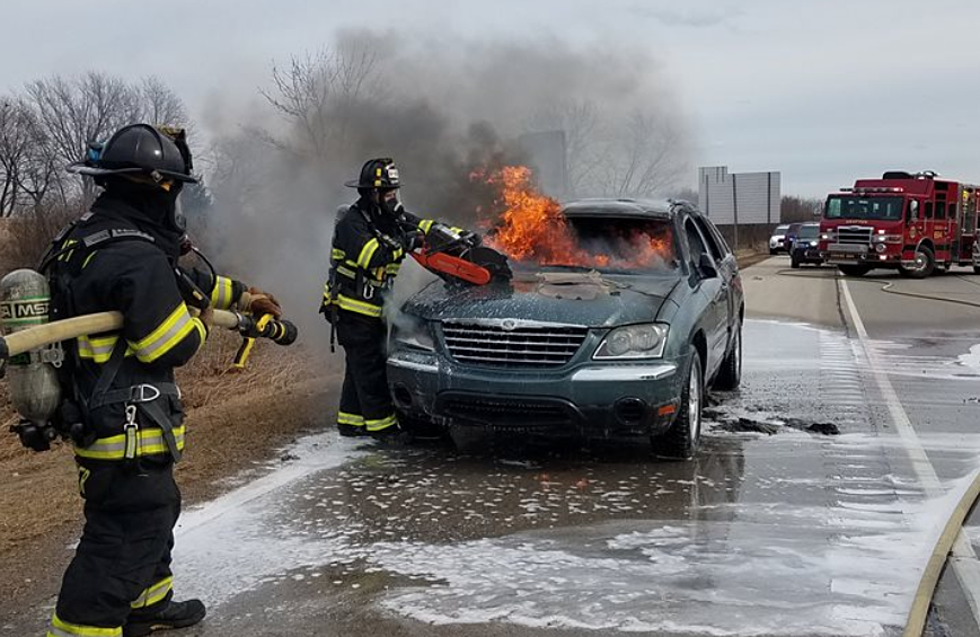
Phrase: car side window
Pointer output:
(716, 250)
(695, 242)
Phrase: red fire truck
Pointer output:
(914, 223)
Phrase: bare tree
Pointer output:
(641, 158)
(319, 93)
(580, 120)
(159, 105)
(71, 112)
(16, 137)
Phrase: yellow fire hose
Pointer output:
(280, 331)
(934, 568)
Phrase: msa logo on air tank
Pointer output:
(26, 311)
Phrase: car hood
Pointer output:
(587, 298)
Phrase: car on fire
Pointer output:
(622, 347)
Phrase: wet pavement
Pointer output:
(778, 532)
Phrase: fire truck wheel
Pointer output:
(854, 270)
(925, 263)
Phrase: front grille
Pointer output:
(509, 412)
(858, 234)
(524, 346)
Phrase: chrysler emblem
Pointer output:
(509, 324)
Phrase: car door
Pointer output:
(714, 290)
(728, 270)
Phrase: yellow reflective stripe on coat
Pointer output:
(154, 594)
(364, 260)
(202, 331)
(345, 418)
(99, 349)
(360, 307)
(60, 628)
(151, 442)
(337, 254)
(425, 225)
(221, 293)
(384, 423)
(166, 336)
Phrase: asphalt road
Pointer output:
(810, 511)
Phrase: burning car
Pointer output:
(618, 316)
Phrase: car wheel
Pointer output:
(772, 251)
(682, 439)
(730, 375)
(976, 269)
(794, 262)
(925, 263)
(854, 270)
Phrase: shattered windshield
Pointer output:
(853, 207)
(618, 245)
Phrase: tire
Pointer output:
(854, 270)
(976, 269)
(772, 252)
(925, 264)
(681, 441)
(794, 263)
(730, 375)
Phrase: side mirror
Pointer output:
(707, 267)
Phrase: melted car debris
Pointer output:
(751, 425)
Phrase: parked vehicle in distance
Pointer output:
(806, 248)
(791, 232)
(777, 239)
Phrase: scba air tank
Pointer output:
(32, 377)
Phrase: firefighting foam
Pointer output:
(528, 226)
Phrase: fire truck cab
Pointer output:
(914, 223)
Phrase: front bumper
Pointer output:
(776, 244)
(588, 400)
(849, 254)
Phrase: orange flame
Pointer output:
(531, 228)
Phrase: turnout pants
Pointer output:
(121, 567)
(365, 401)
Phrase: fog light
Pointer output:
(403, 397)
(629, 411)
(883, 258)
(880, 247)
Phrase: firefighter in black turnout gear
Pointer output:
(371, 239)
(128, 420)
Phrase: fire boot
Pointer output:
(173, 615)
(392, 436)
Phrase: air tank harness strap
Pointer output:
(143, 399)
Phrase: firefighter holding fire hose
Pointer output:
(371, 239)
(122, 406)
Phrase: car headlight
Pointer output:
(814, 244)
(633, 342)
(413, 335)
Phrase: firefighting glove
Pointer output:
(412, 240)
(471, 239)
(207, 317)
(261, 303)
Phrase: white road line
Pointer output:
(964, 559)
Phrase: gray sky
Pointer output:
(824, 91)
